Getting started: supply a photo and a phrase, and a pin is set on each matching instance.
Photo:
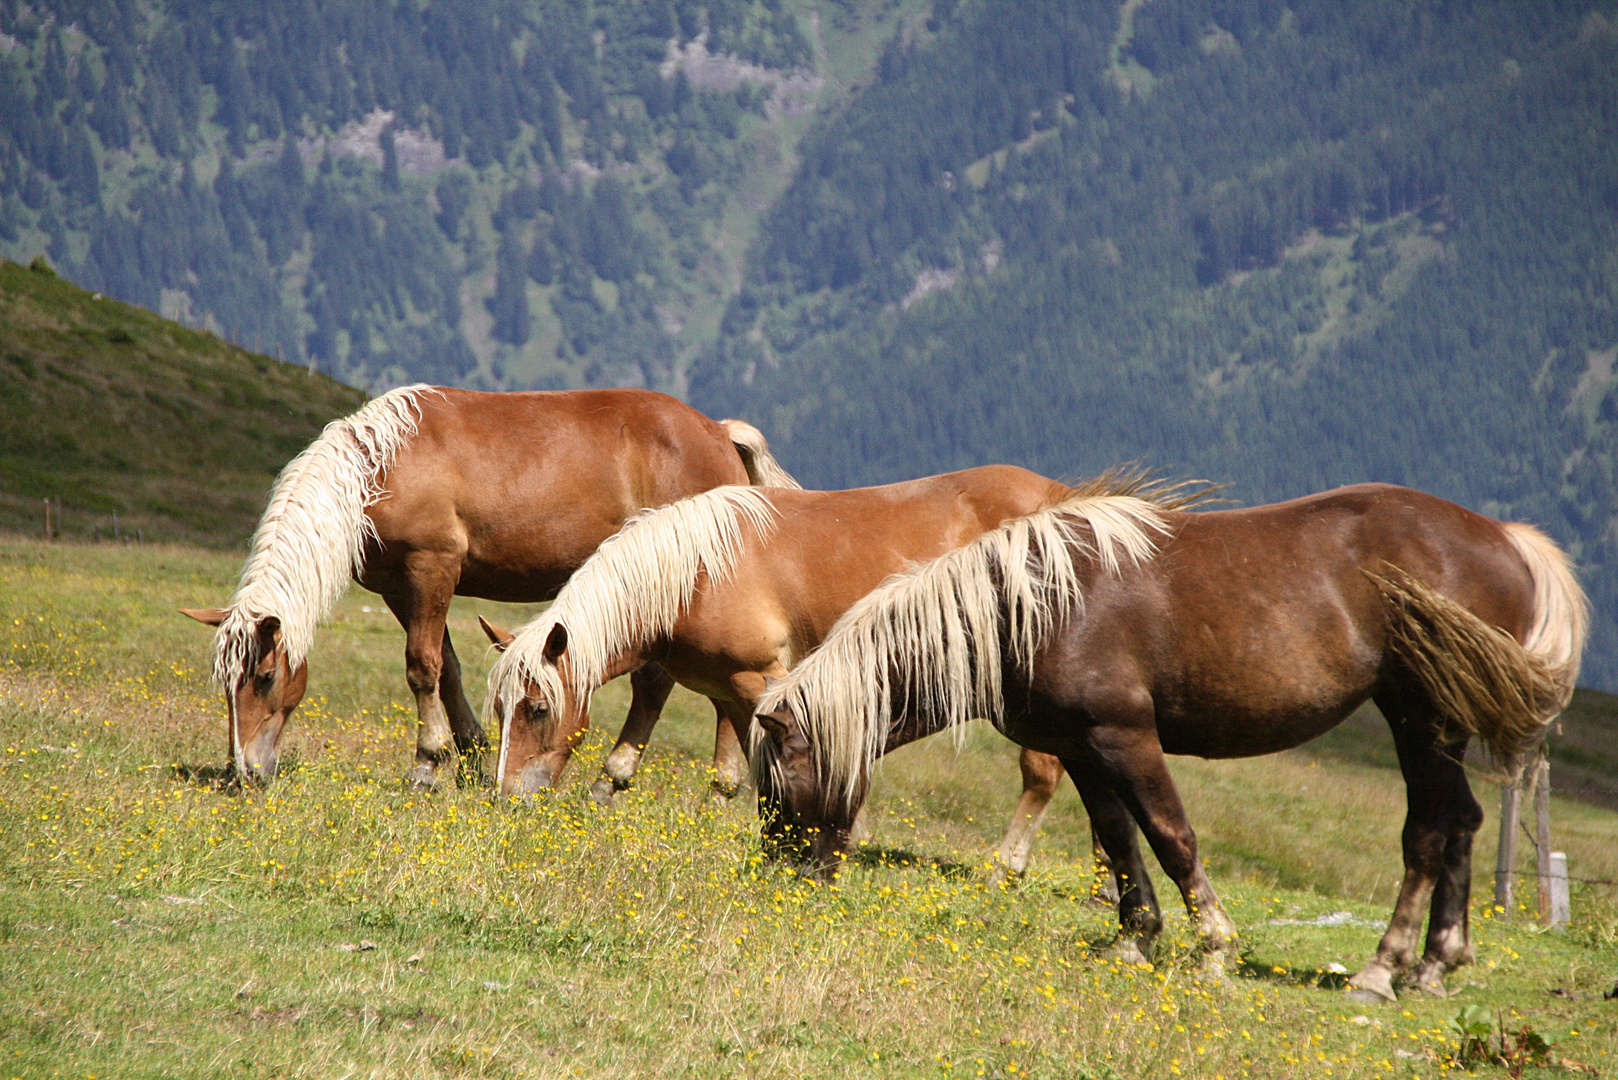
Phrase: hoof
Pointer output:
(1126, 951)
(1372, 986)
(424, 777)
(724, 791)
(1214, 965)
(602, 789)
(1430, 979)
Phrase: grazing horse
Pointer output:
(721, 591)
(1110, 639)
(426, 493)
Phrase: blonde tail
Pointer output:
(1481, 679)
(762, 468)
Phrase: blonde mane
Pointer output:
(930, 642)
(311, 539)
(634, 588)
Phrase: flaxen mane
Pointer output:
(930, 640)
(311, 539)
(635, 587)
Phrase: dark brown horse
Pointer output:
(427, 493)
(1109, 641)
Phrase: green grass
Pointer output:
(109, 409)
(340, 926)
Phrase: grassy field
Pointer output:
(338, 926)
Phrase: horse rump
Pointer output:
(1480, 679)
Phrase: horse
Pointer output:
(426, 493)
(723, 591)
(1109, 639)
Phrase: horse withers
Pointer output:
(427, 493)
(1109, 635)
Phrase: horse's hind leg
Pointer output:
(1040, 775)
(1140, 919)
(1441, 819)
(470, 741)
(650, 687)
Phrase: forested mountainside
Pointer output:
(1282, 245)
(536, 193)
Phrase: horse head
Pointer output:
(803, 820)
(262, 696)
(539, 731)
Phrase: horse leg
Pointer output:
(1131, 759)
(1140, 919)
(422, 612)
(1440, 821)
(650, 687)
(729, 760)
(470, 741)
(1040, 775)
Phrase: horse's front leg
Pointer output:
(1140, 919)
(650, 687)
(729, 759)
(1131, 758)
(422, 611)
(1040, 775)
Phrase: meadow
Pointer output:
(339, 926)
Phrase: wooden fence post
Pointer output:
(1542, 831)
(1506, 858)
(1561, 911)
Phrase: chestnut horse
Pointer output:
(426, 493)
(721, 591)
(1230, 633)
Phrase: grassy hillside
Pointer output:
(153, 926)
(112, 410)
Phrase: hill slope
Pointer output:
(1284, 246)
(111, 409)
(506, 193)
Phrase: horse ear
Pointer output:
(500, 639)
(775, 724)
(556, 644)
(207, 616)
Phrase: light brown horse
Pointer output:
(426, 493)
(1109, 635)
(721, 591)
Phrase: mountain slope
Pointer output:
(1283, 246)
(108, 409)
(501, 194)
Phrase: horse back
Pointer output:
(830, 548)
(526, 485)
(1257, 629)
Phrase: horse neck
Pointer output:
(622, 664)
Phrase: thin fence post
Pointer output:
(1506, 857)
(1542, 831)
(1561, 910)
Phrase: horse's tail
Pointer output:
(1561, 610)
(762, 468)
(1481, 679)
